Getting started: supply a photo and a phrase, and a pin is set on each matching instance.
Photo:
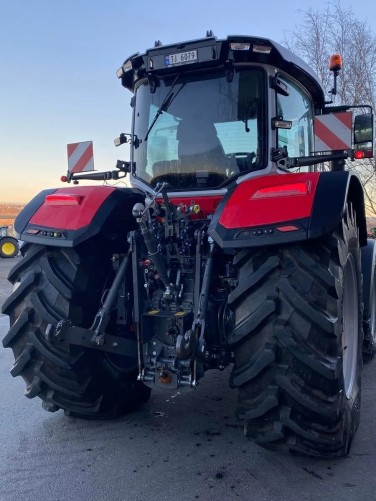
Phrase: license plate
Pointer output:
(181, 58)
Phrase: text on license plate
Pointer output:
(181, 58)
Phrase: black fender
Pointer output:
(66, 217)
(368, 254)
(282, 208)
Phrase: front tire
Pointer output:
(297, 340)
(8, 247)
(53, 284)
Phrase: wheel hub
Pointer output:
(8, 248)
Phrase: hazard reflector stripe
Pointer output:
(330, 140)
(345, 118)
(71, 148)
(80, 156)
(333, 131)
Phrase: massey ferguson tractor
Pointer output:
(241, 240)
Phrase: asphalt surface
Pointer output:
(178, 446)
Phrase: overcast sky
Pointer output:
(58, 63)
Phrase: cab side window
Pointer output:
(297, 108)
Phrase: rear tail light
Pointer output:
(63, 199)
(284, 190)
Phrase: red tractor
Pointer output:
(231, 246)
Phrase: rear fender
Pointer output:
(283, 208)
(65, 217)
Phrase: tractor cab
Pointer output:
(208, 112)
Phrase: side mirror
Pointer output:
(127, 138)
(121, 139)
(363, 136)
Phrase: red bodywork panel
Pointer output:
(270, 199)
(71, 213)
(260, 201)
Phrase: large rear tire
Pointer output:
(53, 284)
(297, 340)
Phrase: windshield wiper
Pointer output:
(250, 112)
(164, 106)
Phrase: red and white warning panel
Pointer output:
(80, 157)
(333, 132)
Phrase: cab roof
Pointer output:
(210, 52)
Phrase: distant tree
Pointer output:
(337, 30)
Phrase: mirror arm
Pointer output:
(292, 163)
(96, 176)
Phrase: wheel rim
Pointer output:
(350, 326)
(8, 248)
(372, 318)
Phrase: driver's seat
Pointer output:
(199, 147)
